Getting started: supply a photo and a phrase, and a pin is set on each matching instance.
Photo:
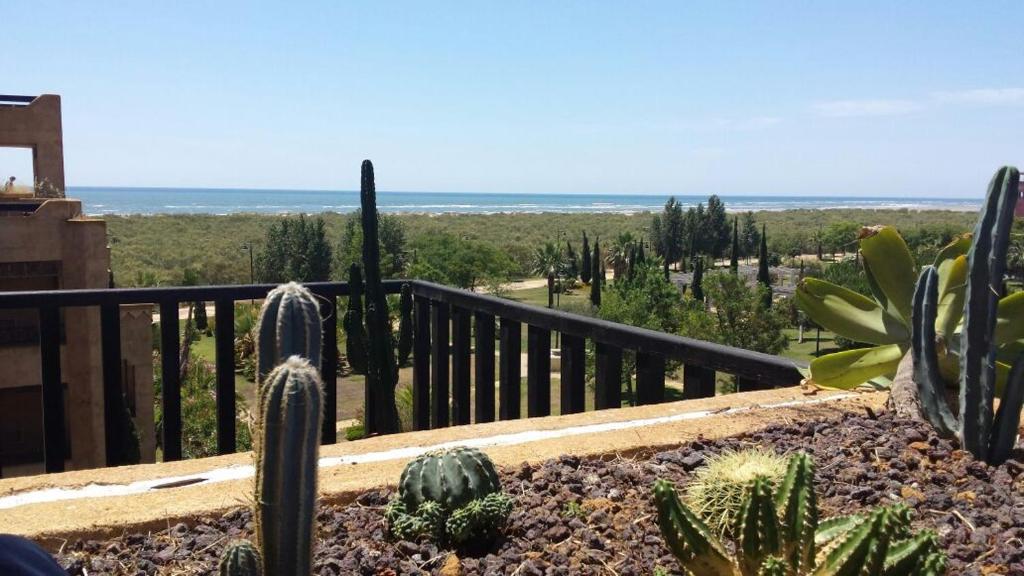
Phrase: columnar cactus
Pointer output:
(779, 534)
(355, 332)
(450, 496)
(286, 468)
(987, 325)
(289, 326)
(241, 558)
(405, 325)
(381, 368)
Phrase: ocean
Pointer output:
(100, 201)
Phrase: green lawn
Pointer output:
(806, 351)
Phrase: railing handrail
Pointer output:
(708, 354)
(99, 296)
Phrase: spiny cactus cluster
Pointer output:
(287, 438)
(371, 346)
(985, 343)
(778, 534)
(449, 496)
(720, 486)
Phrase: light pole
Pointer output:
(252, 276)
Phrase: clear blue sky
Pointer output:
(810, 98)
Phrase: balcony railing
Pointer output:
(451, 326)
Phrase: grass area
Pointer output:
(805, 351)
(539, 297)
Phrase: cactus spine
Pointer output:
(355, 333)
(289, 326)
(240, 558)
(778, 534)
(381, 368)
(987, 438)
(286, 469)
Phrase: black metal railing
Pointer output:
(449, 324)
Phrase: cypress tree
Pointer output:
(764, 278)
(734, 262)
(665, 269)
(355, 331)
(698, 278)
(585, 271)
(597, 275)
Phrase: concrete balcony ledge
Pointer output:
(102, 502)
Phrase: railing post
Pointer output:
(170, 380)
(509, 371)
(329, 366)
(461, 340)
(224, 321)
(650, 378)
(574, 373)
(608, 377)
(538, 372)
(698, 382)
(439, 363)
(421, 365)
(484, 341)
(54, 433)
(113, 393)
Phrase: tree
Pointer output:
(393, 251)
(597, 274)
(586, 269)
(750, 237)
(571, 264)
(696, 287)
(295, 249)
(734, 258)
(667, 231)
(764, 277)
(716, 227)
(460, 262)
(738, 317)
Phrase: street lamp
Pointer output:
(252, 276)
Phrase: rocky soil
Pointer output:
(595, 516)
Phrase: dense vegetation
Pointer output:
(150, 250)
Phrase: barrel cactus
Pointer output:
(289, 325)
(241, 558)
(778, 533)
(451, 496)
(719, 487)
(991, 338)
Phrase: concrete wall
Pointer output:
(58, 232)
(38, 127)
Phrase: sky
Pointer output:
(915, 99)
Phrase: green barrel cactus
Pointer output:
(286, 466)
(778, 533)
(991, 337)
(290, 325)
(452, 496)
(718, 488)
(240, 558)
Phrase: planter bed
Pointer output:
(595, 516)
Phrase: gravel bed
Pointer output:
(595, 516)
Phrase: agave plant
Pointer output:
(884, 320)
(779, 535)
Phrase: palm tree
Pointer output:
(547, 261)
(618, 254)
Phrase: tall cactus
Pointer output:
(289, 325)
(355, 333)
(381, 368)
(596, 274)
(986, 437)
(404, 347)
(286, 467)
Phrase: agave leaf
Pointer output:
(952, 291)
(851, 368)
(960, 246)
(848, 313)
(891, 265)
(1010, 318)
